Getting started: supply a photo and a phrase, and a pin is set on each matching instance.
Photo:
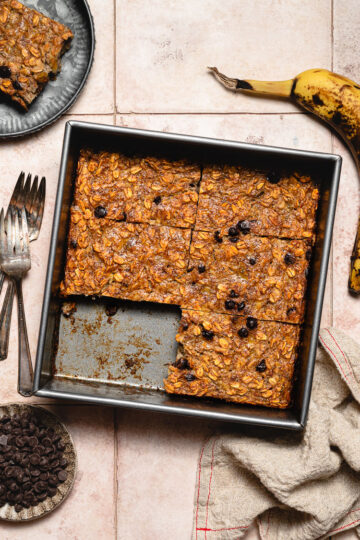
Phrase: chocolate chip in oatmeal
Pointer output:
(100, 212)
(181, 363)
(207, 334)
(201, 268)
(261, 366)
(243, 332)
(217, 237)
(251, 323)
(229, 304)
(157, 200)
(289, 258)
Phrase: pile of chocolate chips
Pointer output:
(31, 461)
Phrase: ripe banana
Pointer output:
(333, 98)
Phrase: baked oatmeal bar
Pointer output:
(124, 260)
(31, 45)
(272, 205)
(246, 274)
(138, 189)
(224, 357)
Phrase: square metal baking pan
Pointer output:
(122, 360)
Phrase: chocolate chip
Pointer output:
(289, 258)
(233, 231)
(308, 254)
(243, 332)
(207, 334)
(240, 306)
(290, 311)
(273, 177)
(217, 237)
(34, 459)
(192, 184)
(229, 304)
(252, 261)
(16, 85)
(243, 226)
(73, 244)
(181, 363)
(261, 366)
(5, 72)
(251, 323)
(189, 377)
(111, 309)
(100, 212)
(157, 200)
(24, 472)
(233, 294)
(201, 268)
(233, 239)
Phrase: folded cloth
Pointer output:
(299, 486)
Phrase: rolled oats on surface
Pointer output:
(124, 260)
(218, 359)
(270, 204)
(138, 189)
(258, 276)
(31, 45)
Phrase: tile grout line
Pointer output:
(115, 473)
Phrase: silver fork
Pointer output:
(15, 262)
(32, 197)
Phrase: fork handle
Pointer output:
(2, 278)
(25, 374)
(5, 321)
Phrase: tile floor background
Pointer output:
(137, 471)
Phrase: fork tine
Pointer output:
(10, 230)
(2, 233)
(16, 231)
(24, 233)
(17, 189)
(38, 207)
(24, 195)
(30, 200)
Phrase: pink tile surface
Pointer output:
(89, 511)
(156, 459)
(294, 131)
(347, 38)
(98, 94)
(164, 47)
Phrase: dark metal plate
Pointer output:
(60, 94)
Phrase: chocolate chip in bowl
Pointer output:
(37, 462)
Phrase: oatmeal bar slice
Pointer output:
(138, 189)
(272, 205)
(220, 356)
(124, 260)
(30, 48)
(252, 275)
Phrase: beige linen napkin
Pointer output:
(299, 486)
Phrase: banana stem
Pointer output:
(273, 88)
